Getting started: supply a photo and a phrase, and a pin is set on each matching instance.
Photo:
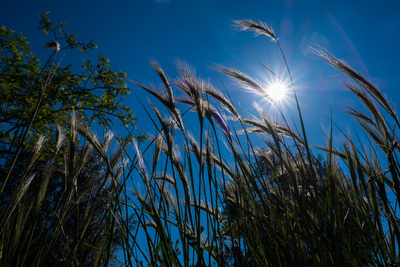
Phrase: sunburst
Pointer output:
(277, 91)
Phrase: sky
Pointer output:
(131, 33)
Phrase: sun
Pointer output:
(277, 91)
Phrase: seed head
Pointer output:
(220, 121)
(53, 44)
(258, 27)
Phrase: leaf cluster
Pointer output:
(45, 93)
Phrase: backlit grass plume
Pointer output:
(258, 27)
(284, 206)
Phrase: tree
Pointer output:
(62, 199)
(35, 96)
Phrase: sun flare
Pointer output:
(277, 91)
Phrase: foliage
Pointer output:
(292, 217)
(59, 197)
(202, 193)
(61, 214)
(41, 94)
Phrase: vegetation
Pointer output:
(202, 193)
(34, 97)
(60, 213)
(56, 191)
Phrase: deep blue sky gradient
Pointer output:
(130, 33)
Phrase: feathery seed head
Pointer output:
(259, 28)
(245, 81)
(142, 168)
(53, 44)
(342, 66)
(220, 121)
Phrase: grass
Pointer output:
(201, 193)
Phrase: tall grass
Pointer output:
(55, 214)
(201, 193)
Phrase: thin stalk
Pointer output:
(20, 146)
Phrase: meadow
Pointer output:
(211, 186)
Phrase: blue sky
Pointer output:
(130, 33)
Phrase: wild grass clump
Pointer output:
(227, 201)
(201, 193)
(58, 208)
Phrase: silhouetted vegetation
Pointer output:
(200, 193)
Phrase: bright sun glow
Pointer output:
(277, 91)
